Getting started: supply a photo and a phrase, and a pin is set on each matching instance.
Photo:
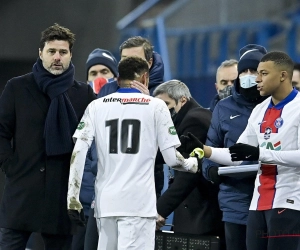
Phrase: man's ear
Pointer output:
(145, 79)
(283, 76)
(150, 62)
(183, 100)
(40, 53)
(118, 81)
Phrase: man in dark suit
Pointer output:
(193, 199)
(39, 113)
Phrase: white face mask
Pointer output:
(247, 81)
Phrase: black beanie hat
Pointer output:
(250, 56)
(104, 57)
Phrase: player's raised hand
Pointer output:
(189, 143)
(244, 152)
(139, 86)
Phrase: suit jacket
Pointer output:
(193, 198)
(35, 195)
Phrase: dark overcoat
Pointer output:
(35, 195)
(193, 199)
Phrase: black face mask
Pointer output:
(172, 112)
(250, 94)
(227, 91)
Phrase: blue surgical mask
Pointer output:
(247, 81)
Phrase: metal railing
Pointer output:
(195, 53)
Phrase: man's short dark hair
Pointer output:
(280, 59)
(138, 41)
(57, 32)
(132, 68)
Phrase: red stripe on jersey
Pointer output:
(277, 144)
(269, 120)
(267, 188)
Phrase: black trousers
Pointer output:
(274, 229)
(235, 236)
(11, 239)
(91, 235)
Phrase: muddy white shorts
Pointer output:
(124, 233)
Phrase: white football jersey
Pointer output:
(128, 128)
(276, 129)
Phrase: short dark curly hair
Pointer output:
(57, 32)
(131, 68)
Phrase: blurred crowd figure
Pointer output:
(296, 76)
(225, 77)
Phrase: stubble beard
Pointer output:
(56, 72)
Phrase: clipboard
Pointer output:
(240, 171)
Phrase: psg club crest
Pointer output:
(278, 122)
(267, 133)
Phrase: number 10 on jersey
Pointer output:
(129, 139)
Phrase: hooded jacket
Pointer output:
(214, 102)
(229, 119)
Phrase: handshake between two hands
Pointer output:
(192, 146)
(239, 151)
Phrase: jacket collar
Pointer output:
(190, 104)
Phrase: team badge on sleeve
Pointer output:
(80, 125)
(172, 130)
